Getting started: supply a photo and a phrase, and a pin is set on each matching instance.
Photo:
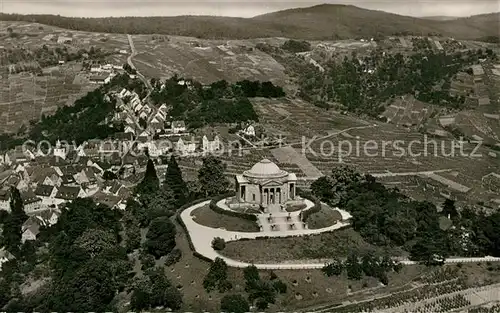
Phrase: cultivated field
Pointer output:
(25, 97)
(205, 61)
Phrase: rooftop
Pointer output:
(265, 169)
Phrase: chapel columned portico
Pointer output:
(265, 184)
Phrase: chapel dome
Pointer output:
(265, 168)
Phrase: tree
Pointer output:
(211, 176)
(96, 241)
(12, 233)
(174, 181)
(153, 290)
(449, 209)
(334, 268)
(279, 286)
(216, 276)
(354, 269)
(160, 239)
(150, 183)
(162, 203)
(234, 304)
(218, 243)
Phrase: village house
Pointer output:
(163, 108)
(30, 229)
(31, 202)
(249, 131)
(64, 40)
(5, 200)
(185, 145)
(210, 143)
(178, 127)
(48, 217)
(48, 195)
(100, 79)
(129, 130)
(60, 151)
(67, 193)
(53, 180)
(144, 137)
(5, 256)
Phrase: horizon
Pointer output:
(227, 8)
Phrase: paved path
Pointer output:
(202, 236)
(391, 174)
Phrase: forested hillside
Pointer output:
(318, 22)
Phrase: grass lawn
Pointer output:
(207, 217)
(313, 286)
(324, 218)
(322, 246)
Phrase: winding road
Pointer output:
(133, 53)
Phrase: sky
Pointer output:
(238, 8)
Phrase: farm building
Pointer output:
(484, 101)
(477, 70)
(100, 79)
(64, 39)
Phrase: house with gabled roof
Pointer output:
(5, 256)
(144, 136)
(129, 129)
(48, 217)
(210, 143)
(48, 194)
(5, 200)
(178, 127)
(185, 145)
(53, 180)
(30, 201)
(30, 229)
(163, 108)
(68, 193)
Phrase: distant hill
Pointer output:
(325, 21)
(440, 18)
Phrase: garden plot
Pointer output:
(409, 111)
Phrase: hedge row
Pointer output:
(304, 215)
(215, 208)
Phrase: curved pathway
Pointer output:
(202, 236)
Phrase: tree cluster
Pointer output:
(153, 290)
(364, 85)
(385, 217)
(296, 46)
(368, 265)
(216, 277)
(219, 102)
(83, 121)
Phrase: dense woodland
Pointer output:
(385, 217)
(219, 102)
(364, 85)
